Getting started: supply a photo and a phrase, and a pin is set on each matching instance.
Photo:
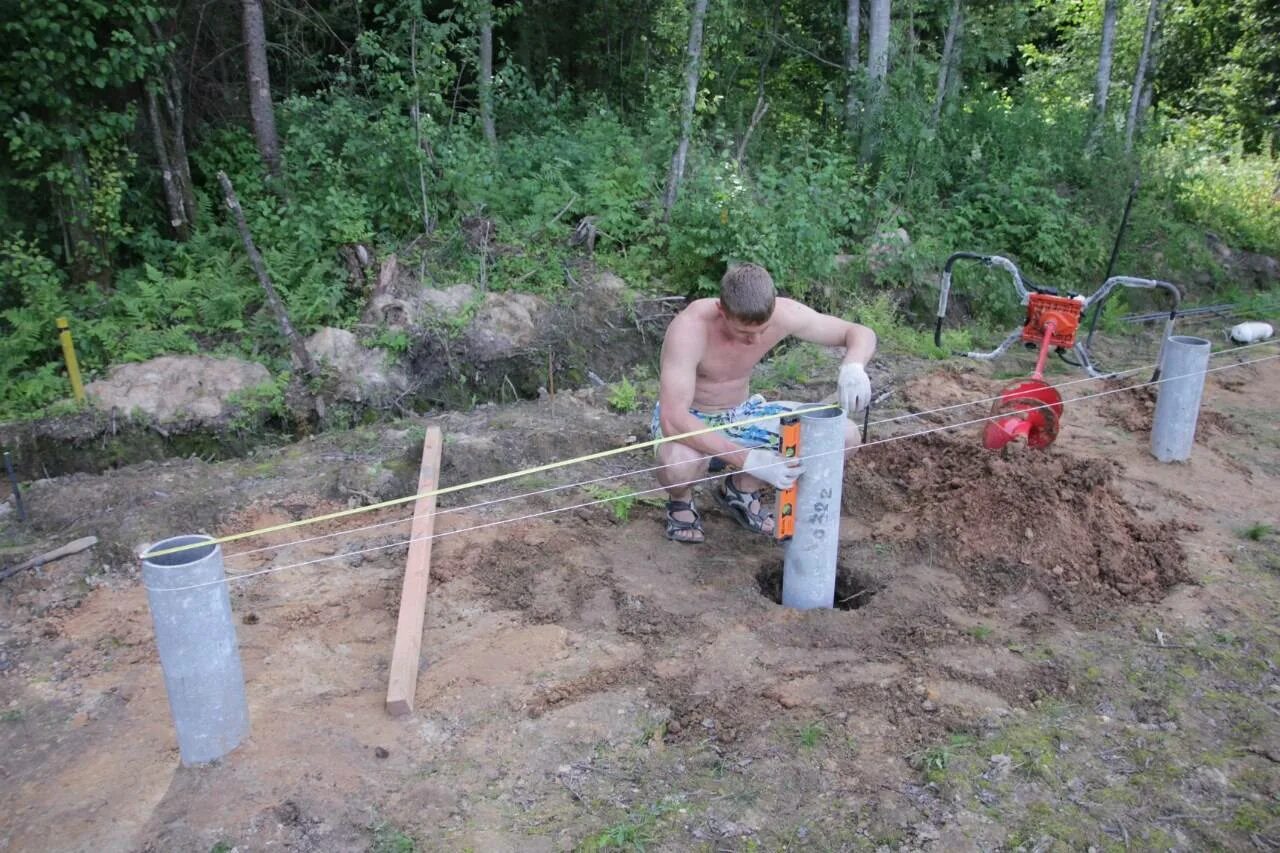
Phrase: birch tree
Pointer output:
(694, 59)
(169, 179)
(1103, 83)
(948, 64)
(877, 71)
(852, 23)
(261, 110)
(486, 71)
(1141, 95)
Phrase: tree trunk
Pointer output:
(88, 258)
(486, 72)
(172, 195)
(291, 335)
(877, 71)
(853, 37)
(1103, 83)
(261, 110)
(172, 92)
(947, 62)
(1141, 95)
(676, 174)
(424, 148)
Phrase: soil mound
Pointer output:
(1134, 411)
(1048, 518)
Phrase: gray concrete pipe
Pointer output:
(809, 561)
(1182, 370)
(198, 651)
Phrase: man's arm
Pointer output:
(682, 350)
(853, 387)
(808, 325)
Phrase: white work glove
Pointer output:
(772, 468)
(854, 388)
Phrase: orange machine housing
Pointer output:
(1062, 311)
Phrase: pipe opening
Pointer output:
(824, 413)
(181, 558)
(854, 588)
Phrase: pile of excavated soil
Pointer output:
(1134, 411)
(1047, 517)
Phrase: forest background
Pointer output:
(677, 136)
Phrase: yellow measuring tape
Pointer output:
(550, 466)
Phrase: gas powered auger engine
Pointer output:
(1031, 410)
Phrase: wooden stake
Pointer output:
(413, 596)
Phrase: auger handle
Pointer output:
(944, 285)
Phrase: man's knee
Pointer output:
(680, 463)
(852, 438)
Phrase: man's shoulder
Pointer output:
(695, 315)
(791, 311)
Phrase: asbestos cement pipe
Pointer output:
(809, 561)
(1173, 428)
(197, 643)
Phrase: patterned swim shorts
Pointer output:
(760, 434)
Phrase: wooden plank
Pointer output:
(56, 554)
(413, 596)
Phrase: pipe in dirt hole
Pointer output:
(809, 561)
(198, 651)
(1182, 369)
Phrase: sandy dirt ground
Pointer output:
(1032, 651)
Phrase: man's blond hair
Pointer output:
(747, 294)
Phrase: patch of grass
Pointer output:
(1256, 532)
(621, 500)
(811, 734)
(894, 336)
(12, 715)
(624, 396)
(634, 832)
(981, 632)
(798, 364)
(620, 836)
(1034, 752)
(653, 732)
(222, 847)
(935, 761)
(388, 838)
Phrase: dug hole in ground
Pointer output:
(1040, 651)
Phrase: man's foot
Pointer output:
(684, 524)
(745, 508)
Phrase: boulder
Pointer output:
(885, 248)
(506, 325)
(1248, 268)
(177, 389)
(362, 375)
(418, 307)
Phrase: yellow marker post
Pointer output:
(69, 353)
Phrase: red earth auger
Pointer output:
(1030, 410)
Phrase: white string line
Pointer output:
(635, 494)
(632, 473)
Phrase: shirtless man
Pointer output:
(707, 357)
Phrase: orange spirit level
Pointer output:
(789, 448)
